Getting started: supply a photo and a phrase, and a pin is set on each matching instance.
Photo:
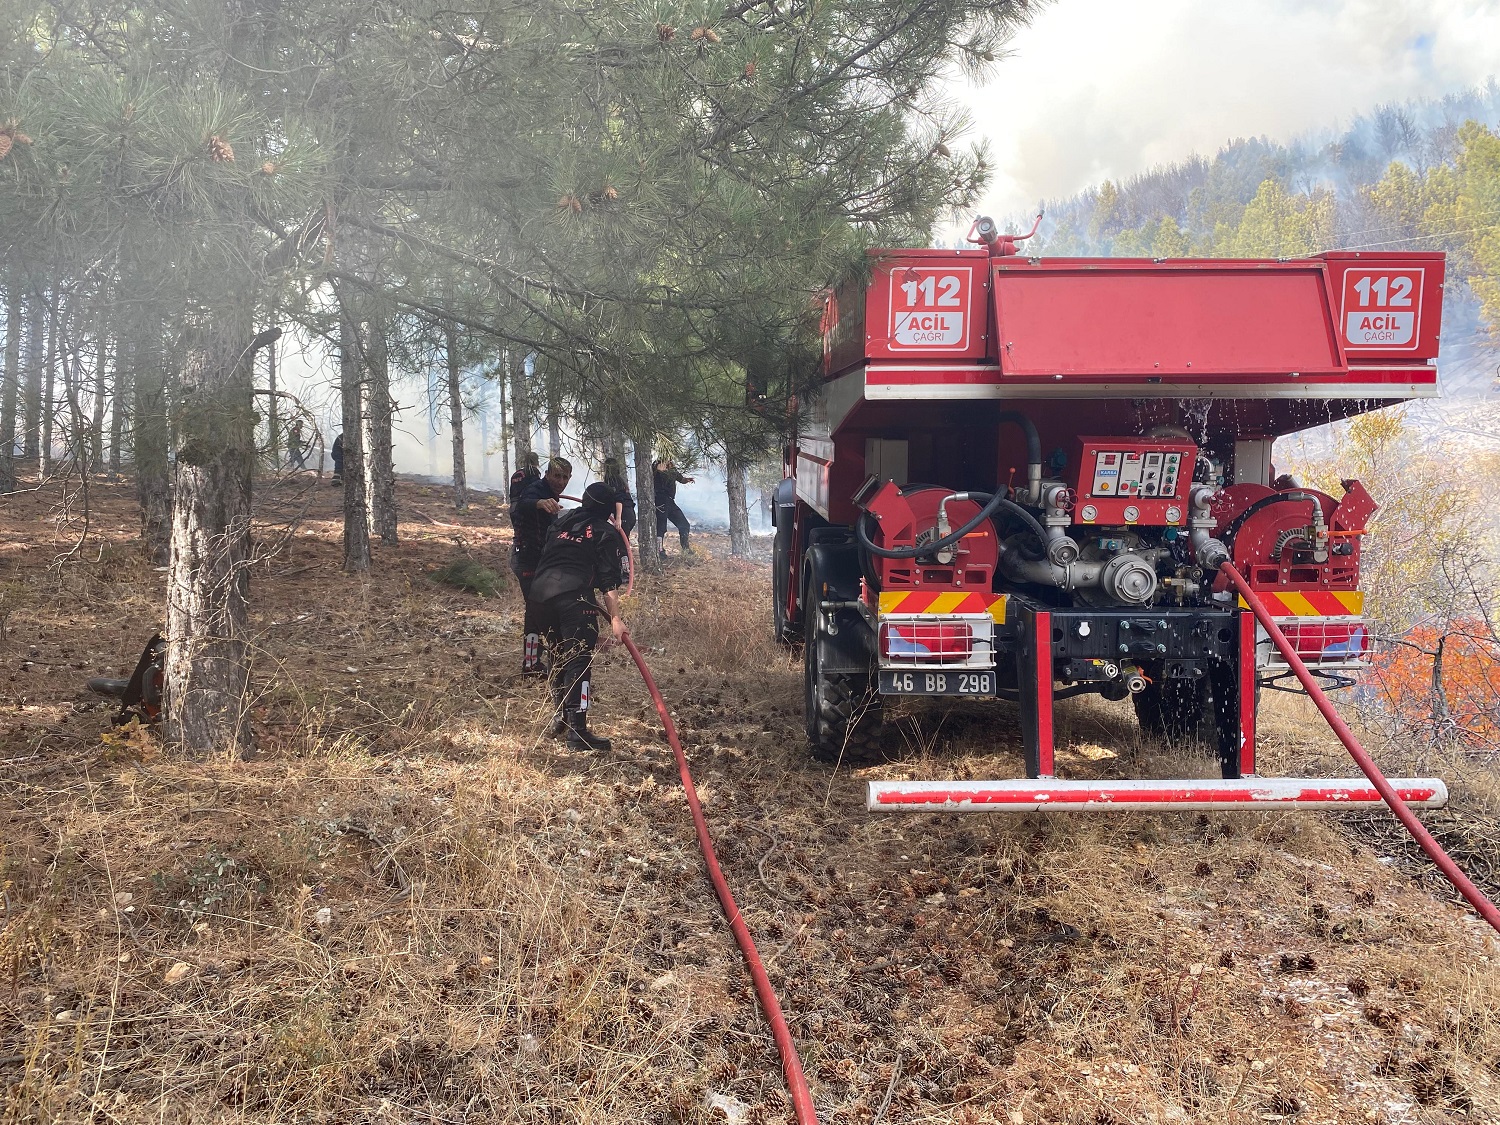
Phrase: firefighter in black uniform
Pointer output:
(532, 515)
(524, 475)
(614, 476)
(664, 481)
(584, 553)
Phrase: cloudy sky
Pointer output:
(1102, 89)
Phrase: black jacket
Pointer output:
(664, 484)
(583, 552)
(530, 522)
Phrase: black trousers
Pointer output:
(670, 512)
(571, 622)
(532, 625)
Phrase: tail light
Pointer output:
(928, 642)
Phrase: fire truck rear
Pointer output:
(1022, 474)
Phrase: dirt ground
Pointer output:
(412, 906)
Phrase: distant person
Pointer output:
(296, 451)
(614, 478)
(337, 453)
(583, 553)
(532, 515)
(664, 481)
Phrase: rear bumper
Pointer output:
(1250, 794)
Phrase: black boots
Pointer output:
(579, 735)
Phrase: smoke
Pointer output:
(1107, 89)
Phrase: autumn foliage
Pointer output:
(1444, 683)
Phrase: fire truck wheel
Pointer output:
(843, 710)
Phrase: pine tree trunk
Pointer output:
(273, 410)
(739, 511)
(149, 447)
(382, 465)
(77, 444)
(49, 394)
(108, 349)
(645, 506)
(520, 400)
(554, 428)
(500, 385)
(8, 391)
(208, 574)
(456, 423)
(36, 357)
(119, 408)
(356, 519)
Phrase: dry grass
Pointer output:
(413, 907)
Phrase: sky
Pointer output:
(1106, 89)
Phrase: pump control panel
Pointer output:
(1140, 481)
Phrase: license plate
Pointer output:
(937, 683)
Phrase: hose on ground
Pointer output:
(1418, 830)
(791, 1063)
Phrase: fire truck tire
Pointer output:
(843, 710)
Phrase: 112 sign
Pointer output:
(930, 308)
(1381, 308)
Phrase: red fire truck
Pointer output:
(1021, 475)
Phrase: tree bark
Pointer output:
(554, 427)
(739, 511)
(500, 386)
(382, 485)
(149, 447)
(645, 506)
(456, 421)
(520, 400)
(356, 516)
(9, 390)
(119, 410)
(49, 394)
(208, 574)
(273, 410)
(36, 358)
(109, 346)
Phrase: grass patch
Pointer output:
(464, 573)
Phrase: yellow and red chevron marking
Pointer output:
(942, 602)
(1312, 603)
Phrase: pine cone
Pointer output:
(571, 202)
(666, 32)
(219, 150)
(5, 145)
(750, 69)
(705, 33)
(610, 193)
(269, 168)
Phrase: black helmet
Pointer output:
(598, 497)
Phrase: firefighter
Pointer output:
(614, 477)
(337, 453)
(532, 515)
(525, 473)
(584, 552)
(664, 481)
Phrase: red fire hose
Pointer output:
(791, 1064)
(1418, 830)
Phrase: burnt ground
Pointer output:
(410, 905)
